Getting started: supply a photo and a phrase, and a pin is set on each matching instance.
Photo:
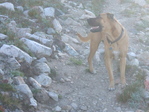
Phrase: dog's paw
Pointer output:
(111, 88)
(93, 72)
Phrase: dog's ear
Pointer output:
(110, 16)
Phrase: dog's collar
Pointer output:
(112, 42)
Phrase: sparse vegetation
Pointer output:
(54, 3)
(35, 91)
(147, 1)
(76, 61)
(60, 96)
(6, 87)
(133, 93)
(143, 25)
(97, 6)
(126, 1)
(129, 12)
(30, 3)
(87, 70)
(8, 101)
(53, 73)
(17, 73)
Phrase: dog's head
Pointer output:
(102, 21)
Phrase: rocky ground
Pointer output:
(43, 60)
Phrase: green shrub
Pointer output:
(76, 61)
(17, 73)
(6, 87)
(35, 91)
(133, 93)
(128, 91)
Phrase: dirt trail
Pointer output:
(88, 91)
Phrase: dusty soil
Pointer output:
(88, 91)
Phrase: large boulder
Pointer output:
(27, 94)
(47, 42)
(57, 26)
(16, 52)
(24, 90)
(38, 49)
(8, 6)
(42, 96)
(49, 11)
(40, 68)
(8, 62)
(19, 32)
(2, 36)
(44, 80)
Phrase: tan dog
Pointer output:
(115, 38)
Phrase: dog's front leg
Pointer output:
(122, 70)
(108, 63)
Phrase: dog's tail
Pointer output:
(84, 39)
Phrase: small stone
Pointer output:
(62, 80)
(83, 108)
(50, 31)
(18, 80)
(74, 105)
(118, 109)
(105, 110)
(49, 11)
(58, 109)
(131, 55)
(67, 107)
(57, 26)
(70, 50)
(33, 102)
(1, 72)
(2, 36)
(53, 95)
(20, 8)
(40, 68)
(34, 83)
